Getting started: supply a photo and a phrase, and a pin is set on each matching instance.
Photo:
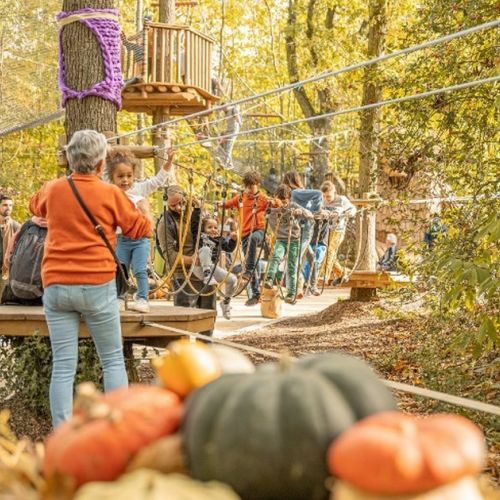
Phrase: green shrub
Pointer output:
(26, 365)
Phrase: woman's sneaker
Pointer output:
(140, 305)
(226, 310)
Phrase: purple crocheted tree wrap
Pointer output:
(107, 33)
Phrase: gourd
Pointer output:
(397, 454)
(187, 366)
(106, 431)
(266, 434)
(145, 484)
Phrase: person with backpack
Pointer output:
(24, 256)
(79, 269)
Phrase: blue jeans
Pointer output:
(135, 253)
(97, 304)
(318, 255)
(250, 243)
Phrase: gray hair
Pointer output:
(175, 189)
(85, 150)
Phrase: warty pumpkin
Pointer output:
(106, 431)
(266, 434)
(187, 366)
(389, 454)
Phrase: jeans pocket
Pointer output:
(52, 297)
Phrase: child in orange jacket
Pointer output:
(254, 208)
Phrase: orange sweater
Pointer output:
(74, 253)
(251, 223)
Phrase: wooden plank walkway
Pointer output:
(23, 321)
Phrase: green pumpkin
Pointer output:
(266, 434)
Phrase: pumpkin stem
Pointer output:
(285, 362)
(88, 401)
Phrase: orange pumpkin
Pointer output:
(107, 430)
(394, 454)
(186, 366)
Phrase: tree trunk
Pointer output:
(83, 68)
(319, 149)
(167, 11)
(160, 115)
(139, 26)
(368, 146)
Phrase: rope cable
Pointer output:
(321, 76)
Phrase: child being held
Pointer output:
(208, 253)
(284, 223)
(121, 169)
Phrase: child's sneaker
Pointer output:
(140, 305)
(253, 301)
(315, 292)
(290, 299)
(226, 309)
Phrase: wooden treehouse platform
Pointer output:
(167, 67)
(374, 279)
(24, 321)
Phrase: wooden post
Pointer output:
(160, 135)
(368, 148)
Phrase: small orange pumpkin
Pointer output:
(107, 430)
(393, 453)
(186, 366)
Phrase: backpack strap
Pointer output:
(98, 228)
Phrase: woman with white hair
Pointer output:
(78, 270)
(388, 261)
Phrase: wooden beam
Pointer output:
(141, 152)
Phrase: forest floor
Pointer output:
(377, 332)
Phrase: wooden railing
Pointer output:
(169, 54)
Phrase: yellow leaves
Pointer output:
(20, 475)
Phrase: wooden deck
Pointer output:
(23, 321)
(375, 279)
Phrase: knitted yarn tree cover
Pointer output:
(107, 33)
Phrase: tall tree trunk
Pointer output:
(160, 135)
(83, 68)
(139, 26)
(368, 146)
(167, 11)
(294, 37)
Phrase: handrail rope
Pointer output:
(284, 258)
(340, 112)
(321, 76)
(188, 274)
(398, 386)
(259, 255)
(200, 293)
(312, 264)
(182, 241)
(245, 84)
(243, 261)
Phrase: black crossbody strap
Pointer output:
(98, 228)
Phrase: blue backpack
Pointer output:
(310, 199)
